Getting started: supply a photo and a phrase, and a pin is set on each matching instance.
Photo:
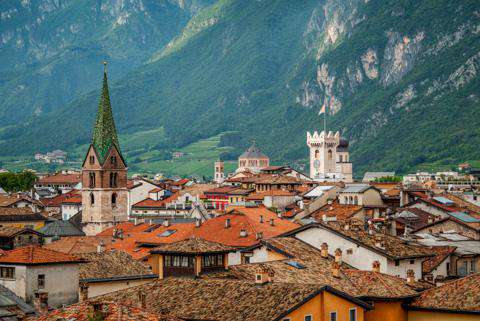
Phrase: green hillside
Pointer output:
(400, 80)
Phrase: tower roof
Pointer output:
(253, 153)
(104, 133)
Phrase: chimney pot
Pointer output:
(166, 222)
(338, 255)
(272, 222)
(227, 223)
(259, 235)
(101, 247)
(376, 266)
(324, 250)
(410, 276)
(198, 222)
(336, 269)
(243, 233)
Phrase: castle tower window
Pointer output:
(341, 158)
(330, 154)
(114, 199)
(92, 160)
(113, 160)
(317, 154)
(113, 179)
(92, 199)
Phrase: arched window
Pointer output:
(92, 179)
(114, 199)
(317, 154)
(351, 200)
(113, 160)
(92, 199)
(330, 154)
(341, 158)
(346, 200)
(113, 179)
(356, 200)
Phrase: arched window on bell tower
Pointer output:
(114, 199)
(91, 176)
(113, 179)
(92, 199)
(317, 154)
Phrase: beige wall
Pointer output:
(99, 288)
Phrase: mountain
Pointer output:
(399, 78)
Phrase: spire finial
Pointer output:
(105, 66)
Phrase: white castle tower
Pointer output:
(219, 175)
(329, 157)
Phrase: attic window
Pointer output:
(167, 233)
(296, 265)
(113, 159)
(92, 160)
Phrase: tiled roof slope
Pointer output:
(394, 247)
(459, 295)
(78, 244)
(340, 211)
(218, 299)
(110, 311)
(19, 214)
(60, 179)
(32, 255)
(193, 245)
(441, 253)
(111, 264)
(61, 228)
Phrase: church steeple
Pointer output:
(104, 133)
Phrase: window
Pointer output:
(113, 179)
(114, 200)
(308, 318)
(92, 160)
(41, 281)
(178, 261)
(397, 263)
(333, 316)
(349, 251)
(213, 260)
(92, 199)
(353, 314)
(7, 272)
(317, 154)
(412, 261)
(92, 179)
(330, 154)
(113, 160)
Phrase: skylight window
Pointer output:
(296, 265)
(166, 233)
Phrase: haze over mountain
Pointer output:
(400, 78)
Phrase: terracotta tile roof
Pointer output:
(193, 245)
(111, 264)
(8, 200)
(9, 231)
(126, 227)
(240, 191)
(180, 182)
(247, 219)
(441, 253)
(261, 195)
(77, 200)
(215, 299)
(156, 190)
(220, 190)
(392, 247)
(460, 295)
(58, 200)
(340, 211)
(394, 192)
(421, 220)
(78, 244)
(35, 255)
(291, 210)
(110, 311)
(371, 284)
(66, 179)
(18, 214)
(150, 203)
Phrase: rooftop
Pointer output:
(61, 228)
(340, 211)
(35, 255)
(253, 152)
(78, 244)
(192, 245)
(461, 295)
(60, 179)
(17, 214)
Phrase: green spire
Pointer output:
(104, 133)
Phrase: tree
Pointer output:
(16, 182)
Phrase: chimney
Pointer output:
(243, 233)
(259, 235)
(261, 218)
(272, 222)
(346, 227)
(338, 256)
(324, 250)
(336, 269)
(101, 247)
(376, 266)
(379, 242)
(280, 215)
(263, 275)
(166, 222)
(371, 230)
(429, 277)
(227, 223)
(142, 299)
(198, 222)
(430, 220)
(40, 302)
(410, 276)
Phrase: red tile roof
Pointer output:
(58, 200)
(77, 199)
(148, 202)
(441, 253)
(340, 211)
(35, 255)
(65, 179)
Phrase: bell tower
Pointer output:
(219, 174)
(104, 172)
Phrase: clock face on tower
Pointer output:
(316, 164)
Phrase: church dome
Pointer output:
(343, 142)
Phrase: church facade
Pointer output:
(104, 173)
(329, 157)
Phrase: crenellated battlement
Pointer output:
(327, 139)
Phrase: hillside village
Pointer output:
(265, 242)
